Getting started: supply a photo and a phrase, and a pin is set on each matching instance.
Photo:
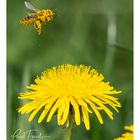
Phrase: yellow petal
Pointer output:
(60, 111)
(42, 103)
(109, 102)
(97, 113)
(100, 104)
(46, 110)
(53, 109)
(76, 110)
(85, 118)
(83, 103)
(59, 115)
(65, 112)
(35, 111)
(113, 99)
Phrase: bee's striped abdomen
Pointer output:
(28, 20)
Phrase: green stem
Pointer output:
(67, 132)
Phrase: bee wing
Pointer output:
(33, 15)
(30, 7)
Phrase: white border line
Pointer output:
(137, 69)
(3, 70)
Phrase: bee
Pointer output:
(37, 17)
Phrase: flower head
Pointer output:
(69, 90)
(128, 135)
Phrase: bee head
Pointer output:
(50, 12)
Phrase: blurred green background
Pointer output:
(98, 33)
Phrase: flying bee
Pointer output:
(37, 17)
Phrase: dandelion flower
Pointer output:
(69, 90)
(128, 135)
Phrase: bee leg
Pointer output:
(37, 26)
